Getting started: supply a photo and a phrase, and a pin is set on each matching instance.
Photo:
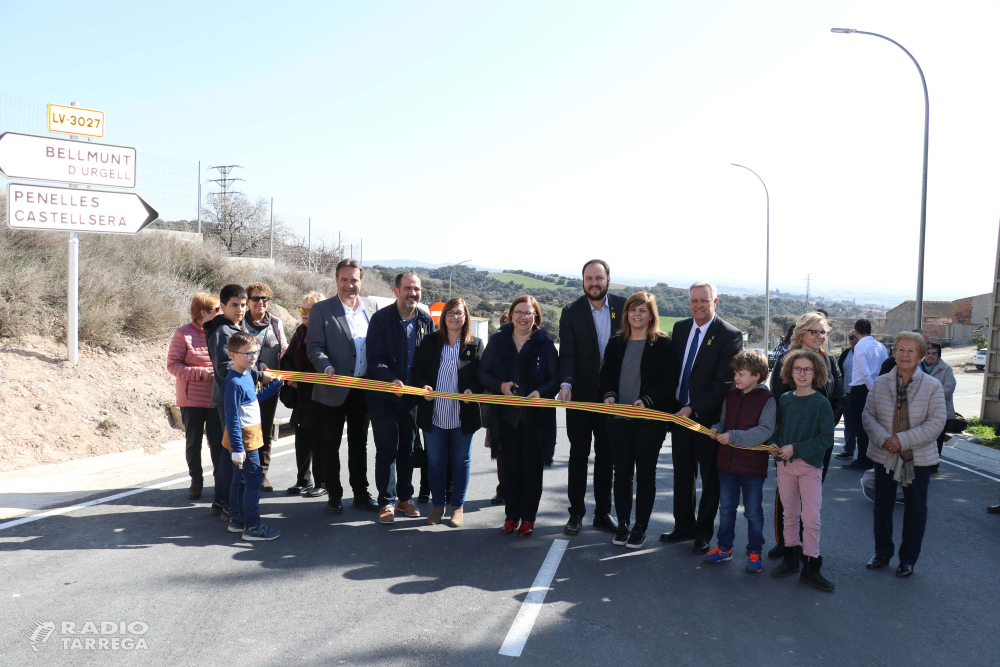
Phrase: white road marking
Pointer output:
(519, 631)
(633, 552)
(117, 496)
(975, 472)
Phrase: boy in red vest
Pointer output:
(748, 420)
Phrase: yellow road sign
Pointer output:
(74, 120)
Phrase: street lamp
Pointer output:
(453, 273)
(767, 263)
(918, 316)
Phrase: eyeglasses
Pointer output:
(252, 354)
(819, 333)
(257, 299)
(524, 314)
(304, 311)
(456, 314)
(217, 309)
(802, 371)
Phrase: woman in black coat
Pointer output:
(521, 360)
(449, 362)
(298, 397)
(640, 368)
(810, 333)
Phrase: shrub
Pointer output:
(131, 287)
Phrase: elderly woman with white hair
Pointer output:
(904, 414)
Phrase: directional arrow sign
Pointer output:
(76, 210)
(47, 159)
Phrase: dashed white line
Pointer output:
(519, 631)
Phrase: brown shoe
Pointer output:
(994, 509)
(194, 493)
(408, 508)
(437, 513)
(387, 514)
(456, 517)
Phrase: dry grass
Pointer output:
(131, 287)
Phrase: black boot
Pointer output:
(811, 574)
(788, 566)
(777, 551)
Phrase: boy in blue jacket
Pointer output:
(243, 437)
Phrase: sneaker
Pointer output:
(621, 536)
(226, 514)
(408, 508)
(236, 527)
(717, 555)
(260, 533)
(217, 507)
(844, 455)
(387, 514)
(753, 562)
(636, 539)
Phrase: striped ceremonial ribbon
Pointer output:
(496, 399)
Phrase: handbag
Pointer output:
(956, 425)
(419, 455)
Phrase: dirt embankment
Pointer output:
(51, 411)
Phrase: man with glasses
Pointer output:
(707, 345)
(336, 342)
(394, 334)
(585, 326)
(233, 299)
(868, 357)
(846, 363)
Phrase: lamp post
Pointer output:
(453, 273)
(767, 263)
(919, 314)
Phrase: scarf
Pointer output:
(900, 464)
(258, 325)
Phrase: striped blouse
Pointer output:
(446, 409)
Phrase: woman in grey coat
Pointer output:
(937, 368)
(904, 414)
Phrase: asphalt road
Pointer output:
(344, 590)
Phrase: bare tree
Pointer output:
(243, 226)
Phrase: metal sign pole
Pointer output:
(272, 227)
(73, 300)
(310, 260)
(199, 196)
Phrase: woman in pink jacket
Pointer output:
(187, 360)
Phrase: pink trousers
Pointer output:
(801, 489)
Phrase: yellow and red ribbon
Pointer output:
(494, 399)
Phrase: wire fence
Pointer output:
(242, 224)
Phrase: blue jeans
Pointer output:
(224, 471)
(730, 486)
(850, 432)
(442, 444)
(244, 496)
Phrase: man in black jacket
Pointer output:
(585, 327)
(394, 333)
(706, 345)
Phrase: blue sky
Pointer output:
(537, 135)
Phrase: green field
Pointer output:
(533, 283)
(667, 323)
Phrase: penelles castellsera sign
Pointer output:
(50, 159)
(76, 210)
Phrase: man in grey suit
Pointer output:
(335, 342)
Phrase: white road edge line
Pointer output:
(525, 620)
(107, 499)
(975, 472)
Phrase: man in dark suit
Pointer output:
(584, 329)
(393, 338)
(707, 345)
(335, 343)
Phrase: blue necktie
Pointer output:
(686, 375)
